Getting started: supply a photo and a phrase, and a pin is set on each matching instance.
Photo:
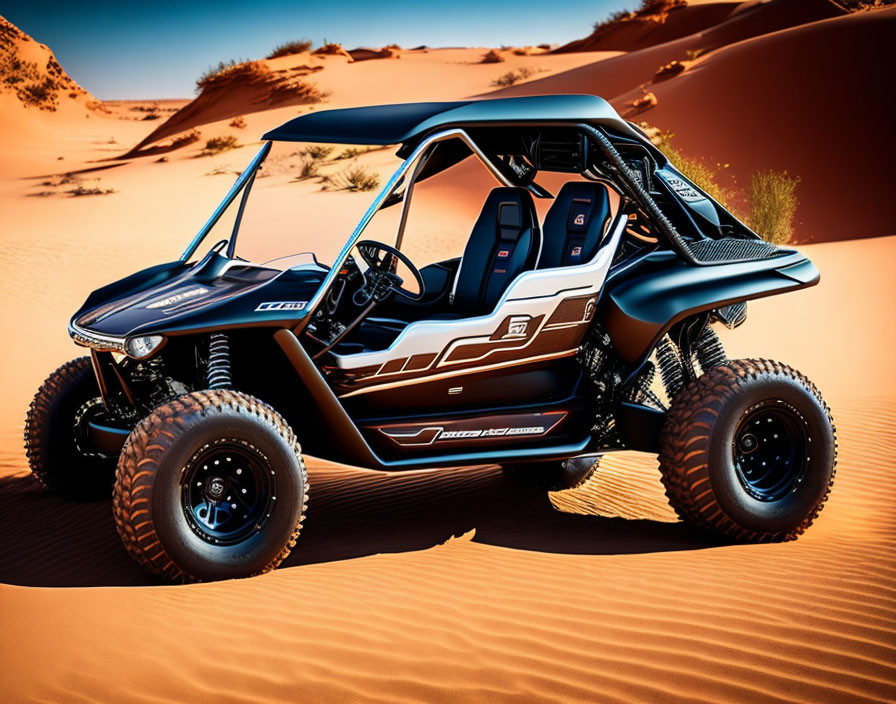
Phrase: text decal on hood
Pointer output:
(178, 297)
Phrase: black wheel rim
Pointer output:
(92, 410)
(771, 450)
(228, 491)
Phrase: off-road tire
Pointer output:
(697, 462)
(149, 515)
(549, 476)
(50, 445)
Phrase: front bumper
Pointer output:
(96, 341)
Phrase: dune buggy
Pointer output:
(535, 350)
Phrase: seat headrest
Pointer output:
(574, 224)
(510, 220)
(510, 210)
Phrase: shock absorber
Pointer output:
(710, 352)
(218, 373)
(671, 371)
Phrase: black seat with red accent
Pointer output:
(574, 225)
(504, 242)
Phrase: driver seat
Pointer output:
(504, 242)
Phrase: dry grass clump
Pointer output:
(82, 190)
(331, 49)
(226, 70)
(317, 151)
(185, 139)
(673, 68)
(863, 5)
(355, 178)
(694, 170)
(492, 57)
(511, 77)
(31, 85)
(289, 48)
(216, 145)
(309, 169)
(352, 152)
(644, 102)
(773, 204)
(239, 122)
(653, 10)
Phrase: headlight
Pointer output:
(143, 347)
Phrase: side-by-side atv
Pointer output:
(535, 350)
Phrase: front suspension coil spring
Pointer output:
(671, 369)
(710, 352)
(218, 373)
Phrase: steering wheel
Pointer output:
(379, 279)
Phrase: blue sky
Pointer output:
(125, 49)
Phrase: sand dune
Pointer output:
(753, 115)
(460, 585)
(615, 610)
(655, 26)
(706, 26)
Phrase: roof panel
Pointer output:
(396, 124)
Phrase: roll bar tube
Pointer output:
(381, 198)
(241, 182)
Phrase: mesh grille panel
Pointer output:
(733, 249)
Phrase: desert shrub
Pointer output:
(329, 49)
(82, 190)
(29, 83)
(491, 57)
(216, 145)
(351, 153)
(317, 151)
(673, 68)
(40, 94)
(309, 169)
(151, 116)
(239, 122)
(544, 46)
(511, 77)
(289, 48)
(695, 171)
(648, 9)
(644, 102)
(773, 204)
(613, 19)
(185, 139)
(226, 69)
(506, 79)
(862, 5)
(354, 178)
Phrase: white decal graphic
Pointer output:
(518, 327)
(178, 297)
(282, 305)
(579, 219)
(589, 309)
(682, 189)
(491, 432)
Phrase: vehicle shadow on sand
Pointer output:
(47, 541)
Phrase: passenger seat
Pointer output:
(504, 242)
(574, 225)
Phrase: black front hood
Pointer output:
(217, 293)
